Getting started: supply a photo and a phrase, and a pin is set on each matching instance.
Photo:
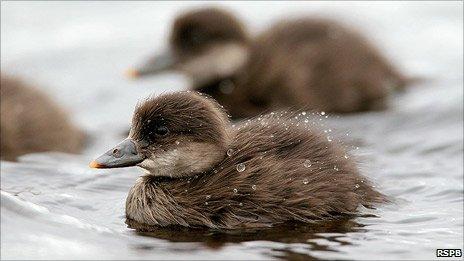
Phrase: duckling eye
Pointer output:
(196, 38)
(161, 130)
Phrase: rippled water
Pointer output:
(54, 206)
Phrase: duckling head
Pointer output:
(205, 44)
(175, 135)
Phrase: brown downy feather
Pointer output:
(313, 63)
(262, 172)
(32, 122)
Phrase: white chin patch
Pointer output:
(221, 61)
(183, 160)
(161, 164)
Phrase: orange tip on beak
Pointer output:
(95, 165)
(132, 74)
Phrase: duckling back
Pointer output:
(32, 122)
(276, 171)
(317, 64)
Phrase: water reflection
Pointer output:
(298, 239)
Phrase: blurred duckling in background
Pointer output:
(311, 63)
(201, 171)
(32, 122)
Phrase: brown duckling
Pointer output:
(312, 63)
(202, 171)
(32, 122)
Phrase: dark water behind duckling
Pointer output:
(54, 206)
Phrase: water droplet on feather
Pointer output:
(307, 163)
(240, 167)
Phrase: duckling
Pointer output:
(308, 62)
(32, 122)
(202, 171)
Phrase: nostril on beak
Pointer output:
(122, 155)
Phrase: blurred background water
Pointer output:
(54, 206)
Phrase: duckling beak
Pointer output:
(157, 64)
(125, 154)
